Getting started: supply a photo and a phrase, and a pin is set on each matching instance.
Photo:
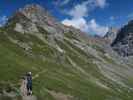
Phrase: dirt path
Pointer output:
(24, 92)
(29, 97)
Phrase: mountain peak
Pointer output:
(33, 16)
(32, 8)
(36, 13)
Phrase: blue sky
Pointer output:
(91, 16)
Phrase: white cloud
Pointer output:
(79, 23)
(65, 2)
(82, 10)
(101, 3)
(3, 20)
(79, 10)
(91, 3)
(112, 18)
(96, 28)
(130, 15)
(61, 2)
(90, 27)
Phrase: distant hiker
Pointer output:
(23, 87)
(29, 83)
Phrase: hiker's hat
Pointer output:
(29, 73)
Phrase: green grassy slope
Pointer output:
(71, 73)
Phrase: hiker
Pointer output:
(29, 83)
(23, 86)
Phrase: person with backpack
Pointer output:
(29, 83)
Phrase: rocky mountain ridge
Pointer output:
(123, 44)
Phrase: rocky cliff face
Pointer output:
(123, 43)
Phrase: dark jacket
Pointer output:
(29, 80)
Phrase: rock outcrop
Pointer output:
(123, 43)
(33, 17)
(111, 35)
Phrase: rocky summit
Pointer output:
(65, 63)
(34, 16)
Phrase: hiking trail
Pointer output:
(24, 90)
(24, 93)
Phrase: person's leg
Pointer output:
(30, 89)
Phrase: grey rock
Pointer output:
(123, 43)
(111, 35)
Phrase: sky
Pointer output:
(94, 17)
